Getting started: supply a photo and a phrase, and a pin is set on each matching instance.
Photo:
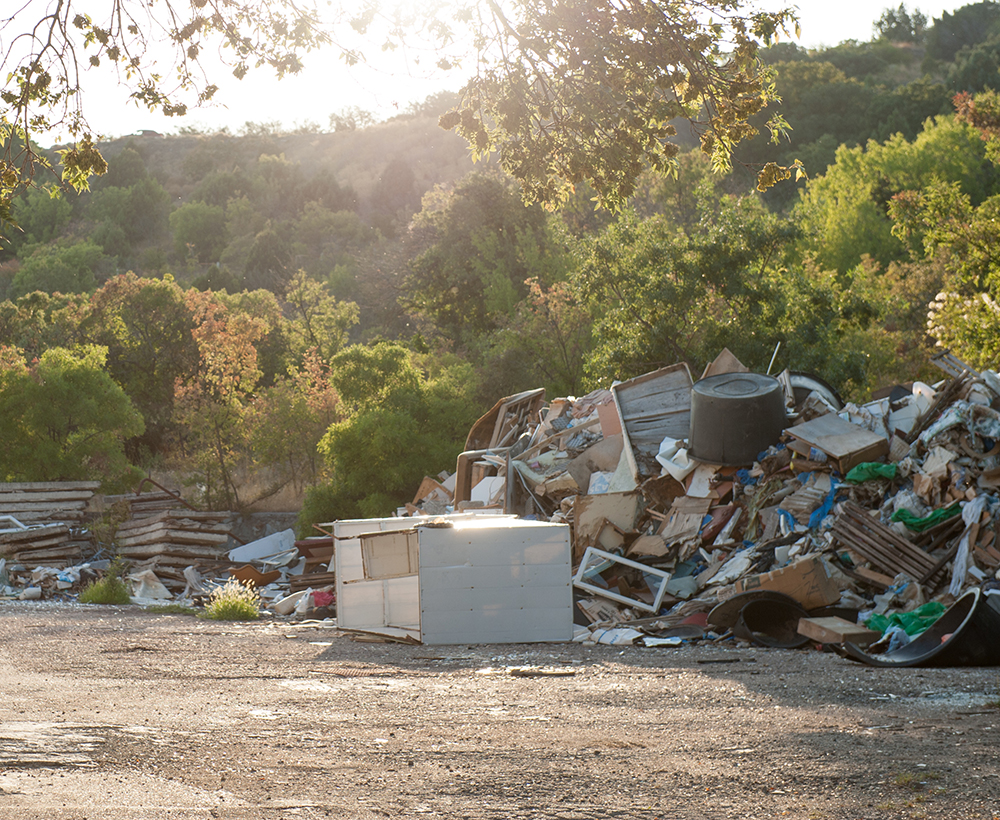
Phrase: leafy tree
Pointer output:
(211, 405)
(976, 68)
(547, 342)
(399, 424)
(272, 346)
(869, 62)
(125, 169)
(663, 297)
(38, 321)
(899, 26)
(351, 118)
(395, 197)
(905, 109)
(968, 26)
(284, 424)
(218, 187)
(267, 264)
(199, 230)
(318, 322)
(140, 210)
(65, 419)
(961, 231)
(146, 327)
(40, 216)
(845, 213)
(59, 269)
(324, 240)
(484, 243)
(573, 91)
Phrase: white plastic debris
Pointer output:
(146, 585)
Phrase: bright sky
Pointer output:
(328, 86)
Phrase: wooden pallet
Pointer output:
(883, 547)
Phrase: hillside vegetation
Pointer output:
(271, 316)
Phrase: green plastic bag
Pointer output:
(917, 524)
(870, 470)
(913, 623)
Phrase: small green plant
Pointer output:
(233, 602)
(110, 589)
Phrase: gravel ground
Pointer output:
(112, 713)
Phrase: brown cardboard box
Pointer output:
(807, 581)
(836, 630)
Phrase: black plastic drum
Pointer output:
(734, 417)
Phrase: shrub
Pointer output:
(110, 589)
(233, 602)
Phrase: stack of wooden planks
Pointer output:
(182, 536)
(46, 502)
(51, 546)
(170, 540)
(145, 504)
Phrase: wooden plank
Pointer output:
(194, 519)
(53, 497)
(43, 516)
(55, 508)
(186, 550)
(15, 539)
(652, 407)
(69, 555)
(175, 537)
(41, 543)
(49, 485)
(180, 525)
(886, 533)
(846, 443)
(884, 581)
(484, 432)
(881, 545)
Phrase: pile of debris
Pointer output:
(739, 504)
(683, 496)
(170, 548)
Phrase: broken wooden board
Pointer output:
(176, 537)
(591, 511)
(873, 577)
(611, 538)
(188, 552)
(508, 418)
(845, 443)
(48, 486)
(648, 545)
(431, 487)
(836, 630)
(685, 519)
(652, 407)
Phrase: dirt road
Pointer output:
(114, 714)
